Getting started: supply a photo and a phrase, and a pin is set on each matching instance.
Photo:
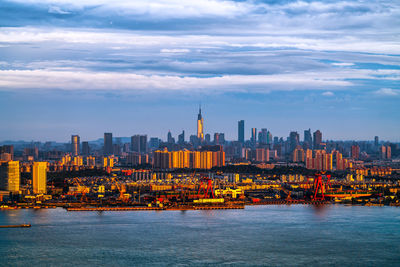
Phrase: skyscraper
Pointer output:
(253, 136)
(139, 143)
(85, 148)
(170, 139)
(263, 136)
(376, 141)
(10, 176)
(75, 145)
(294, 140)
(317, 139)
(108, 144)
(200, 126)
(241, 131)
(39, 177)
(308, 138)
(181, 138)
(355, 151)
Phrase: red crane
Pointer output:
(320, 187)
(206, 186)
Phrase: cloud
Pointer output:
(58, 10)
(387, 92)
(175, 50)
(328, 93)
(80, 80)
(343, 64)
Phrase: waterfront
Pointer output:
(257, 235)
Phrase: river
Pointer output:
(296, 235)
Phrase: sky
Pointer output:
(143, 67)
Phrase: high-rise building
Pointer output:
(10, 176)
(253, 136)
(154, 143)
(181, 138)
(7, 151)
(355, 151)
(298, 155)
(108, 144)
(75, 145)
(263, 136)
(317, 139)
(376, 141)
(308, 138)
(139, 143)
(200, 126)
(207, 138)
(241, 131)
(294, 140)
(269, 138)
(386, 152)
(85, 148)
(219, 138)
(39, 177)
(170, 139)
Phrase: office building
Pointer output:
(108, 144)
(10, 176)
(241, 131)
(376, 141)
(85, 148)
(75, 145)
(308, 138)
(139, 143)
(181, 138)
(294, 140)
(317, 139)
(253, 136)
(355, 151)
(39, 177)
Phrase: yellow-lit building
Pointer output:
(108, 162)
(39, 177)
(90, 161)
(200, 126)
(66, 159)
(10, 176)
(78, 161)
(163, 159)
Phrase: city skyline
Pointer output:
(78, 67)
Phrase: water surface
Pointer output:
(258, 236)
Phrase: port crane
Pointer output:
(206, 188)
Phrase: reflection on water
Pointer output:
(257, 235)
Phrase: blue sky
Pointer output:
(88, 67)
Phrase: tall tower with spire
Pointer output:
(200, 126)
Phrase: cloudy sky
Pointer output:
(93, 66)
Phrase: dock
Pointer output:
(16, 226)
(114, 208)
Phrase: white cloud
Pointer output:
(161, 9)
(85, 80)
(169, 41)
(57, 10)
(328, 93)
(175, 50)
(343, 64)
(387, 92)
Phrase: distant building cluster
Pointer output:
(200, 150)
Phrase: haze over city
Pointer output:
(129, 67)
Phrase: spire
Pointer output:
(199, 116)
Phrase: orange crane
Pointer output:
(121, 188)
